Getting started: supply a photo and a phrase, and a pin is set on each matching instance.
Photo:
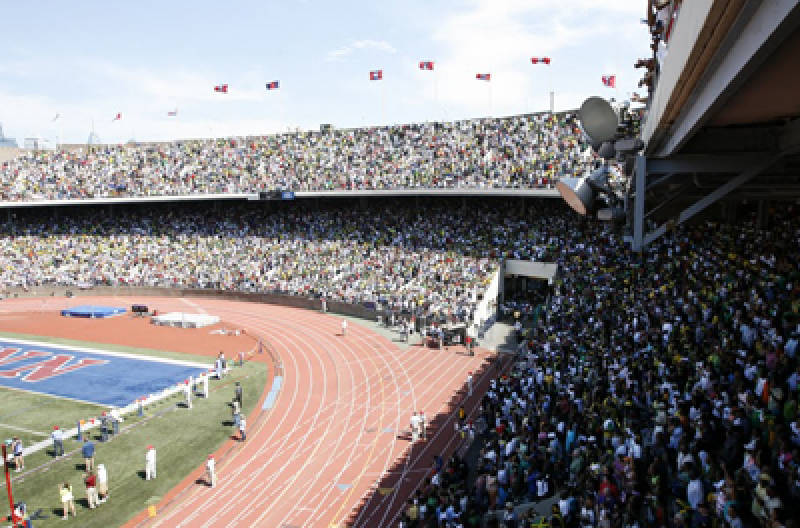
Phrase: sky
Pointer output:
(87, 61)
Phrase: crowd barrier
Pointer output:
(188, 386)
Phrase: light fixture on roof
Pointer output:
(580, 193)
(599, 122)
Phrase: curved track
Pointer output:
(335, 432)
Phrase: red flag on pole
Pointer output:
(483, 76)
(540, 60)
(221, 88)
(117, 117)
(426, 65)
(610, 81)
(376, 75)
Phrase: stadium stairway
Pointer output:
(499, 338)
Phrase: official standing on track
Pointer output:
(88, 453)
(91, 489)
(211, 473)
(58, 441)
(237, 414)
(242, 429)
(19, 462)
(150, 463)
(344, 327)
(237, 393)
(102, 483)
(67, 499)
(469, 383)
(414, 427)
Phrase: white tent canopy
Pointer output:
(185, 320)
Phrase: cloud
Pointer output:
(378, 45)
(499, 37)
(144, 97)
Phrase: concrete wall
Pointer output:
(293, 301)
(538, 270)
(486, 310)
(7, 153)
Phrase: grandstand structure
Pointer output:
(721, 131)
(722, 123)
(525, 154)
(517, 157)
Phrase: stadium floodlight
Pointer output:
(598, 120)
(577, 193)
(580, 193)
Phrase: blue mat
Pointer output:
(96, 376)
(88, 310)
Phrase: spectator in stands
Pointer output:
(525, 151)
(653, 387)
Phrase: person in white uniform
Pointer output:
(150, 463)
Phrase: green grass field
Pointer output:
(182, 437)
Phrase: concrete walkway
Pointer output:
(499, 338)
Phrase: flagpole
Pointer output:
(489, 85)
(435, 92)
(383, 105)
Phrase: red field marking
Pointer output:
(336, 421)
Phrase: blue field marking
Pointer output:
(269, 401)
(88, 375)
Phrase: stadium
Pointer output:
(585, 317)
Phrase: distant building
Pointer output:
(36, 143)
(7, 141)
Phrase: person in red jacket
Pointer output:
(91, 489)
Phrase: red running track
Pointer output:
(332, 450)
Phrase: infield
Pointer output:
(88, 375)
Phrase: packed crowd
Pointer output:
(656, 391)
(431, 261)
(525, 151)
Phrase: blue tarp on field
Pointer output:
(88, 310)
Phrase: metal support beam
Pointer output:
(714, 196)
(640, 173)
(702, 163)
(761, 216)
(668, 200)
(789, 140)
(659, 181)
(758, 31)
